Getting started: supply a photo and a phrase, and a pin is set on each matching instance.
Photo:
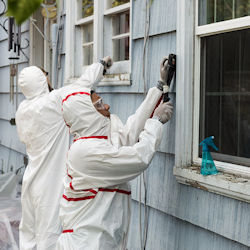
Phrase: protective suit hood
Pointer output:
(33, 82)
(79, 112)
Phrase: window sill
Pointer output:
(226, 184)
(115, 80)
(122, 79)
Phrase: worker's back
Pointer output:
(41, 127)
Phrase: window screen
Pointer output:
(225, 94)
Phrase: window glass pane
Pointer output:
(120, 23)
(225, 94)
(121, 49)
(212, 11)
(242, 8)
(87, 8)
(87, 47)
(244, 126)
(114, 3)
(88, 55)
(88, 33)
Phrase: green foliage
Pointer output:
(21, 10)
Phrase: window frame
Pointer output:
(233, 180)
(114, 77)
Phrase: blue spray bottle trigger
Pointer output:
(208, 166)
(209, 141)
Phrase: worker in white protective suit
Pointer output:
(105, 155)
(41, 127)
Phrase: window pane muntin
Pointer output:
(87, 8)
(223, 100)
(212, 11)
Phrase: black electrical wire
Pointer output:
(4, 9)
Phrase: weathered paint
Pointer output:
(180, 217)
(162, 17)
(12, 150)
(158, 46)
(216, 213)
(166, 232)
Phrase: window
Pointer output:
(224, 83)
(212, 11)
(87, 31)
(214, 86)
(225, 95)
(103, 28)
(120, 37)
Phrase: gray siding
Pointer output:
(162, 17)
(12, 150)
(166, 232)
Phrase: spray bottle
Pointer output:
(208, 166)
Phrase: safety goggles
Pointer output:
(99, 105)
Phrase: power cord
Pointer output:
(143, 240)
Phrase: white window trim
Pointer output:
(233, 180)
(85, 20)
(114, 77)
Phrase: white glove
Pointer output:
(163, 73)
(108, 62)
(163, 112)
(163, 70)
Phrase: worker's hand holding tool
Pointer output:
(163, 112)
(163, 70)
(107, 62)
(167, 70)
(163, 73)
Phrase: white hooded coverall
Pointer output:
(105, 155)
(41, 127)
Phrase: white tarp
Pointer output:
(10, 212)
(8, 185)
(10, 216)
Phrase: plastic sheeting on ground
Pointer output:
(8, 185)
(10, 216)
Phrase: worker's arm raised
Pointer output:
(100, 164)
(129, 133)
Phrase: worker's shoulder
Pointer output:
(41, 105)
